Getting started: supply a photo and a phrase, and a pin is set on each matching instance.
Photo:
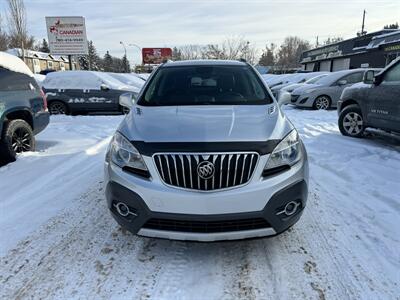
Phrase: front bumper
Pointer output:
(305, 100)
(243, 212)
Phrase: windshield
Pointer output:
(315, 79)
(205, 85)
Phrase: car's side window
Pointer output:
(392, 75)
(353, 78)
(14, 81)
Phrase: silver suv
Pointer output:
(206, 154)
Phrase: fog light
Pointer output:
(124, 210)
(290, 208)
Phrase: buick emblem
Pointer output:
(205, 170)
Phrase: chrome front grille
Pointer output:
(206, 171)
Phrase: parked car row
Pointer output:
(322, 90)
(27, 99)
(365, 98)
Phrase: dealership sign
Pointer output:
(156, 55)
(67, 35)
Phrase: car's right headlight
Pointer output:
(287, 153)
(122, 153)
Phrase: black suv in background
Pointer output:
(73, 92)
(23, 108)
(374, 103)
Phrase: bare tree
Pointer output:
(190, 52)
(290, 52)
(3, 37)
(18, 32)
(233, 48)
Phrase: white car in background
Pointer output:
(291, 87)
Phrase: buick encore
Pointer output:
(206, 154)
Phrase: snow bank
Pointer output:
(69, 159)
(14, 63)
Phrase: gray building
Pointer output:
(374, 50)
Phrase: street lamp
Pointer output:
(134, 45)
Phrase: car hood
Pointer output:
(305, 88)
(203, 123)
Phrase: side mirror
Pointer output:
(342, 82)
(284, 98)
(127, 100)
(104, 87)
(369, 77)
(377, 80)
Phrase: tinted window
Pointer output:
(353, 78)
(14, 81)
(210, 85)
(393, 74)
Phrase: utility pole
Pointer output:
(317, 43)
(363, 23)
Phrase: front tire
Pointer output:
(351, 121)
(58, 108)
(322, 103)
(17, 138)
(125, 110)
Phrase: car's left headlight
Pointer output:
(287, 153)
(122, 153)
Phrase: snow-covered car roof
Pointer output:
(14, 64)
(89, 80)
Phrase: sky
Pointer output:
(173, 23)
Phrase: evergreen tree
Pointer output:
(108, 64)
(83, 62)
(176, 54)
(93, 57)
(125, 65)
(44, 46)
(268, 56)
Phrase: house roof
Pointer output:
(37, 54)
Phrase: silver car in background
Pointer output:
(326, 92)
(291, 87)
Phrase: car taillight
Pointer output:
(44, 99)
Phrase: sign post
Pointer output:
(67, 36)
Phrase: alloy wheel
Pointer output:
(57, 109)
(353, 123)
(322, 103)
(21, 140)
(125, 110)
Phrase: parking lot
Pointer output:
(60, 241)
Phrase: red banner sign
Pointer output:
(156, 55)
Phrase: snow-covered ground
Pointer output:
(59, 241)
